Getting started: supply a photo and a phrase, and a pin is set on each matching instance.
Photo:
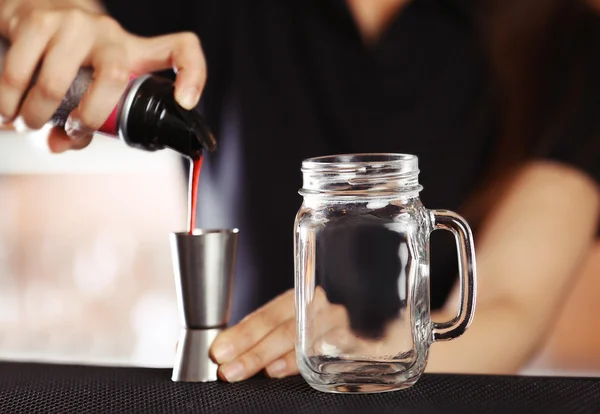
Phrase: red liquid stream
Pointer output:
(193, 193)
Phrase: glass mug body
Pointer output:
(362, 274)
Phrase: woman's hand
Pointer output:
(266, 338)
(69, 34)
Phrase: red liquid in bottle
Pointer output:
(193, 193)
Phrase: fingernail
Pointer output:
(76, 130)
(188, 97)
(233, 372)
(277, 368)
(223, 353)
(6, 122)
(59, 147)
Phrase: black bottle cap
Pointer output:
(151, 119)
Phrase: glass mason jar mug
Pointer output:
(362, 273)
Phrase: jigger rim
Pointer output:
(204, 232)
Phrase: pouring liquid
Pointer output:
(193, 193)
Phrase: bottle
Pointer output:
(147, 116)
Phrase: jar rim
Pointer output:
(404, 163)
(361, 175)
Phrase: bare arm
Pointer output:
(528, 253)
(10, 8)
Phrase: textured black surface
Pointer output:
(40, 388)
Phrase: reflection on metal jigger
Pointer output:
(204, 267)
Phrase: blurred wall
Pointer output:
(85, 271)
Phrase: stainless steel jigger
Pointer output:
(204, 267)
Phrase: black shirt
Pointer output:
(303, 84)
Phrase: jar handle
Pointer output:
(450, 221)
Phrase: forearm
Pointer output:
(91, 6)
(499, 341)
(11, 10)
(528, 254)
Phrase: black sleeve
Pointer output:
(158, 17)
(578, 144)
(579, 147)
(150, 17)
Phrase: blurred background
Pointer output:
(85, 271)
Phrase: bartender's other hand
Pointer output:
(65, 35)
(264, 339)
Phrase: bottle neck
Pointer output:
(361, 176)
(150, 119)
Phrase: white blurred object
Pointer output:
(28, 153)
(152, 319)
(84, 252)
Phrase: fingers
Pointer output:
(181, 52)
(55, 77)
(283, 367)
(58, 141)
(69, 39)
(275, 351)
(266, 338)
(272, 347)
(21, 60)
(111, 77)
(336, 341)
(235, 341)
